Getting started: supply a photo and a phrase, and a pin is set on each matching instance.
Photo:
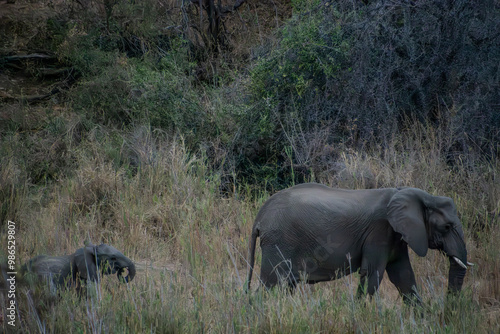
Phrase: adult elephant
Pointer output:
(318, 233)
(86, 264)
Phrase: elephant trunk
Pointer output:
(127, 273)
(455, 276)
(454, 247)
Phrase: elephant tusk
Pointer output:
(125, 272)
(460, 263)
(470, 264)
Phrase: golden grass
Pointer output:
(190, 244)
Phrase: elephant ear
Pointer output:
(85, 260)
(405, 213)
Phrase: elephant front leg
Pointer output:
(401, 275)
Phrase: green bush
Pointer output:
(167, 97)
(105, 98)
(310, 51)
(118, 91)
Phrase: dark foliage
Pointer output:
(361, 73)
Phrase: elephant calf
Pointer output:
(85, 264)
(318, 233)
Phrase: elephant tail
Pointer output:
(251, 254)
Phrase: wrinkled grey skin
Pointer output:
(85, 264)
(318, 233)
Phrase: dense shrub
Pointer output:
(353, 73)
(167, 98)
(117, 91)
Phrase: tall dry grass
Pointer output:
(163, 207)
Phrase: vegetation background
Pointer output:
(161, 126)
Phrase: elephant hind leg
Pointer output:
(278, 273)
(369, 282)
(371, 275)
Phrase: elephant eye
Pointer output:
(447, 227)
(113, 258)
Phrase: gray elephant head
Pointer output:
(427, 221)
(106, 259)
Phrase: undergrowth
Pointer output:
(189, 241)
